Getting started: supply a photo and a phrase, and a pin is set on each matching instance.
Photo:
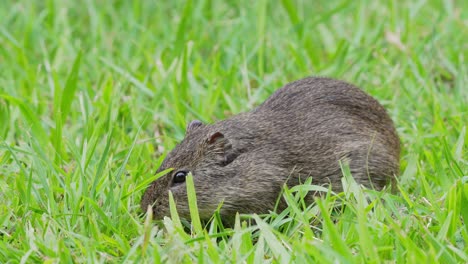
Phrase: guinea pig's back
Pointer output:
(318, 121)
(318, 103)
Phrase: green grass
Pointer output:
(92, 93)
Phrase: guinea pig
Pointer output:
(303, 130)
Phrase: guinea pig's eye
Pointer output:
(179, 177)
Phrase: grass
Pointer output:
(92, 93)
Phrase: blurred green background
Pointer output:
(92, 93)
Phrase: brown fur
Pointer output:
(304, 129)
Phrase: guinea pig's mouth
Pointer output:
(158, 211)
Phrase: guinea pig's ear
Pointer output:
(221, 147)
(194, 124)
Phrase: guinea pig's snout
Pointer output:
(158, 204)
(158, 209)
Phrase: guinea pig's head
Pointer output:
(203, 153)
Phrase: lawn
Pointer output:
(94, 93)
